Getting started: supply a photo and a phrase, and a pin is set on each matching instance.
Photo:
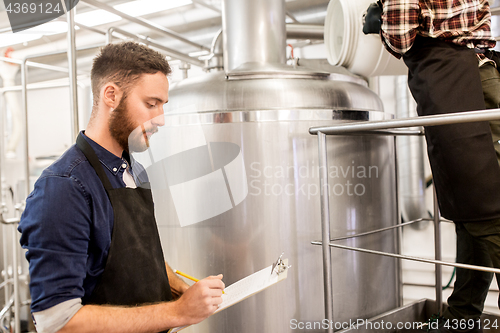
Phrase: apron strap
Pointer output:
(94, 161)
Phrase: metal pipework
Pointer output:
(216, 57)
(148, 41)
(24, 100)
(325, 229)
(73, 89)
(17, 296)
(254, 31)
(184, 68)
(145, 23)
(35, 65)
(206, 5)
(24, 93)
(305, 31)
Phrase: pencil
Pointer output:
(188, 277)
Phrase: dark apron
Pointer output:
(135, 271)
(444, 78)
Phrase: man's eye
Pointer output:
(151, 105)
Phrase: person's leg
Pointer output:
(490, 81)
(488, 233)
(471, 287)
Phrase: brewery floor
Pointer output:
(412, 318)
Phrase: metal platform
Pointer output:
(411, 318)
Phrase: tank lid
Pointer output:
(308, 90)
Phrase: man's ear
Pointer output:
(111, 95)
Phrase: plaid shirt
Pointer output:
(464, 22)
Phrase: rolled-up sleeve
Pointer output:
(400, 21)
(55, 229)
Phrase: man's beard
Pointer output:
(120, 124)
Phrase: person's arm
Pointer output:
(400, 21)
(177, 285)
(196, 304)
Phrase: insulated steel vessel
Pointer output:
(253, 120)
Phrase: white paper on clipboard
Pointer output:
(247, 287)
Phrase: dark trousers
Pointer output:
(490, 80)
(444, 78)
(478, 243)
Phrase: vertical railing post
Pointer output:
(73, 87)
(398, 231)
(437, 251)
(325, 229)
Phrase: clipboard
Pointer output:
(250, 286)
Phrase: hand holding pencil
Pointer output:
(202, 299)
(189, 277)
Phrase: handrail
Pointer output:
(400, 256)
(383, 128)
(443, 119)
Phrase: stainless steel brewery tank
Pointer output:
(267, 110)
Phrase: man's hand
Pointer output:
(196, 304)
(201, 299)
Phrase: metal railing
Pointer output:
(385, 127)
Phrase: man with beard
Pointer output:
(96, 263)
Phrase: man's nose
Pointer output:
(159, 120)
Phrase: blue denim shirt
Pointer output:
(67, 225)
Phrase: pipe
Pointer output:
(437, 254)
(206, 5)
(144, 23)
(17, 296)
(253, 31)
(325, 229)
(216, 59)
(2, 211)
(52, 53)
(36, 65)
(73, 88)
(24, 99)
(291, 17)
(8, 73)
(184, 68)
(442, 119)
(24, 94)
(148, 41)
(305, 31)
(8, 305)
(34, 86)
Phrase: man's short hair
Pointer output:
(123, 64)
